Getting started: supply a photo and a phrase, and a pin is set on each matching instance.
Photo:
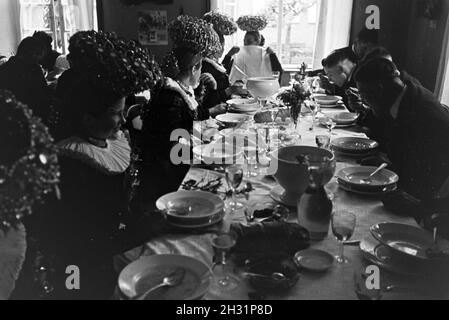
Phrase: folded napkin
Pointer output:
(267, 239)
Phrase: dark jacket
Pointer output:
(167, 112)
(417, 142)
(26, 81)
(215, 97)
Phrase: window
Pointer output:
(59, 18)
(294, 40)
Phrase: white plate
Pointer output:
(407, 240)
(314, 260)
(217, 152)
(354, 145)
(204, 206)
(213, 221)
(367, 193)
(134, 279)
(327, 100)
(353, 176)
(384, 257)
(233, 119)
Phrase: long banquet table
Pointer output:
(337, 283)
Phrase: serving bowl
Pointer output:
(263, 87)
(293, 175)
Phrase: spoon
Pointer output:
(173, 279)
(368, 180)
(240, 70)
(277, 276)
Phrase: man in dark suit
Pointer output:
(415, 123)
(339, 67)
(23, 76)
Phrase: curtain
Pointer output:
(10, 26)
(333, 30)
(442, 86)
(214, 4)
(82, 14)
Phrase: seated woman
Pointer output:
(252, 59)
(174, 106)
(29, 170)
(223, 26)
(91, 223)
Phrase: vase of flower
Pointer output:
(294, 98)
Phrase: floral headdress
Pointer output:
(252, 23)
(114, 64)
(28, 163)
(222, 23)
(191, 32)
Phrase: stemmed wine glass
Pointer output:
(313, 106)
(234, 177)
(343, 225)
(330, 124)
(222, 244)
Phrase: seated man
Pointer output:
(48, 62)
(340, 66)
(23, 76)
(365, 41)
(415, 124)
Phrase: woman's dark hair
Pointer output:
(377, 52)
(180, 60)
(255, 34)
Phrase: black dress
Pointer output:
(215, 97)
(84, 228)
(172, 108)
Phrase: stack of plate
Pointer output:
(191, 209)
(355, 147)
(245, 106)
(342, 119)
(326, 101)
(403, 249)
(352, 179)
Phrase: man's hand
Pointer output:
(233, 51)
(326, 84)
(208, 81)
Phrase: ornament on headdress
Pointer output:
(28, 164)
(223, 24)
(194, 33)
(114, 64)
(252, 23)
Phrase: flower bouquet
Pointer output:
(293, 98)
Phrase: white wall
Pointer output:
(9, 26)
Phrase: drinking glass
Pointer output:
(323, 141)
(222, 244)
(313, 106)
(330, 124)
(343, 225)
(234, 177)
(251, 157)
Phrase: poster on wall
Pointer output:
(153, 28)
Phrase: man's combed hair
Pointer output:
(338, 56)
(377, 70)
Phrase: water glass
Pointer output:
(343, 225)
